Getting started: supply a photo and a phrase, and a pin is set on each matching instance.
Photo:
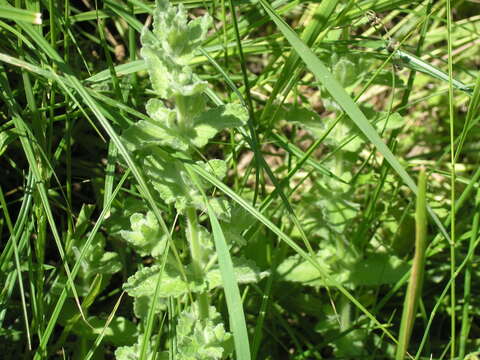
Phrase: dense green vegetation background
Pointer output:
(344, 102)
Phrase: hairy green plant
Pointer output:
(178, 124)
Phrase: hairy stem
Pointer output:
(196, 254)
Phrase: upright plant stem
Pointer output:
(452, 178)
(414, 289)
(197, 254)
(466, 319)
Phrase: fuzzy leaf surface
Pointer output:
(202, 339)
(143, 282)
(145, 237)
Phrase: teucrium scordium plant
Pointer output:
(178, 124)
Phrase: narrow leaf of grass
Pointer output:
(421, 41)
(8, 220)
(99, 338)
(320, 17)
(412, 296)
(152, 309)
(473, 108)
(251, 111)
(28, 148)
(112, 150)
(418, 64)
(452, 179)
(12, 13)
(467, 295)
(99, 113)
(442, 296)
(20, 222)
(345, 101)
(232, 292)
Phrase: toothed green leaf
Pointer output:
(146, 237)
(159, 130)
(143, 282)
(169, 51)
(120, 331)
(141, 305)
(377, 269)
(212, 121)
(96, 261)
(296, 269)
(132, 352)
(172, 182)
(245, 272)
(202, 339)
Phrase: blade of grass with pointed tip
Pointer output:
(345, 101)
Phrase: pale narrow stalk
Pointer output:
(196, 253)
(466, 319)
(452, 179)
(414, 289)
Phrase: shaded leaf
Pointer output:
(245, 272)
(143, 282)
(199, 339)
(146, 237)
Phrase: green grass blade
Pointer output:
(6, 214)
(11, 13)
(417, 64)
(63, 296)
(232, 292)
(453, 224)
(473, 109)
(319, 21)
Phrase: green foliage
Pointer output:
(119, 332)
(142, 283)
(375, 270)
(132, 352)
(172, 182)
(171, 48)
(146, 237)
(96, 261)
(202, 339)
(163, 127)
(167, 53)
(128, 171)
(345, 134)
